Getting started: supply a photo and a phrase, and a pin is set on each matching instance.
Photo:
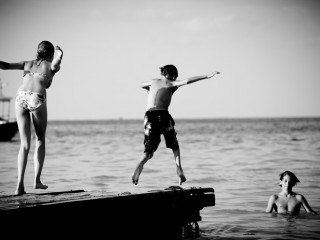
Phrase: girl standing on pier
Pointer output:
(31, 106)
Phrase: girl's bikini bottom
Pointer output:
(30, 100)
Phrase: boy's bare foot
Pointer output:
(19, 192)
(135, 181)
(182, 178)
(39, 185)
(136, 174)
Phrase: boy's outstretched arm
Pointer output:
(193, 79)
(146, 85)
(12, 66)
(55, 65)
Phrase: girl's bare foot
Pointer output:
(19, 192)
(39, 185)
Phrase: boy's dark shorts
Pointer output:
(156, 123)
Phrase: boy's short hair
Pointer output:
(170, 71)
(291, 175)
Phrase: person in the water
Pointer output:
(288, 201)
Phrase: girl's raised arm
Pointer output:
(55, 66)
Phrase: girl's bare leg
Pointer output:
(39, 117)
(23, 120)
(177, 159)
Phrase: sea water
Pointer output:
(241, 159)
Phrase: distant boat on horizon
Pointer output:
(8, 128)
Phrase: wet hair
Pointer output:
(45, 50)
(169, 71)
(293, 177)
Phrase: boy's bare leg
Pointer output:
(177, 159)
(145, 157)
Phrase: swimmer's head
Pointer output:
(45, 50)
(170, 72)
(293, 178)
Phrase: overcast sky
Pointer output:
(268, 53)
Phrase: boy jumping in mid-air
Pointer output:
(288, 201)
(157, 119)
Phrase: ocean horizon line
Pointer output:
(186, 118)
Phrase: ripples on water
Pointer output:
(240, 158)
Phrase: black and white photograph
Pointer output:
(149, 119)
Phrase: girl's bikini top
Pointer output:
(41, 74)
